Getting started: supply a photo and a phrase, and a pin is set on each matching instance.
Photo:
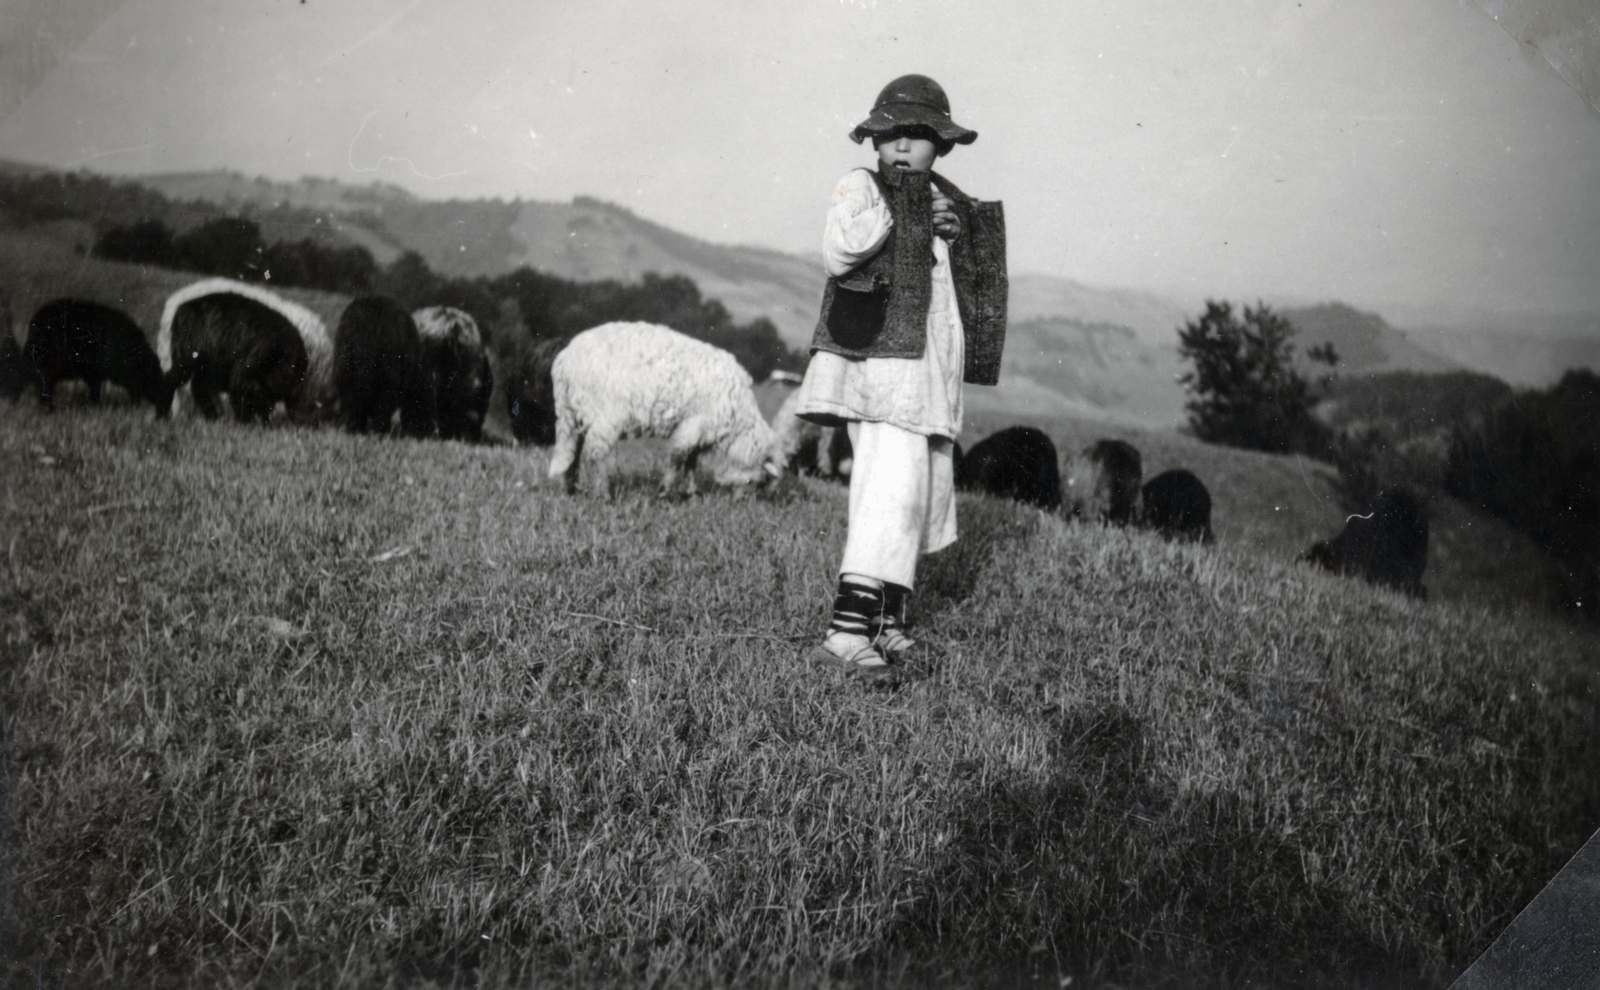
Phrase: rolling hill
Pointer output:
(1366, 343)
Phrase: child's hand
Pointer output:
(945, 222)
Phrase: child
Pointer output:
(915, 305)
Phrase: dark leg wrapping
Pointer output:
(857, 609)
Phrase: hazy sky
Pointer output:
(1395, 154)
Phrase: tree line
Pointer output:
(1530, 457)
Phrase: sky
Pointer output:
(1408, 156)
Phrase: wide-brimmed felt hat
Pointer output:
(912, 101)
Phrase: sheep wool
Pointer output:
(622, 380)
(319, 392)
(448, 323)
(463, 381)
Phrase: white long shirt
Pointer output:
(922, 395)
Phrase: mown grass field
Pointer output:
(289, 708)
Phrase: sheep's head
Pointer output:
(755, 456)
(1084, 492)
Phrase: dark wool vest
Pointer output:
(880, 309)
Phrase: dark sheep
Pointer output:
(826, 454)
(379, 367)
(1176, 504)
(230, 343)
(531, 397)
(1387, 545)
(835, 458)
(1102, 483)
(1017, 463)
(809, 449)
(73, 338)
(453, 351)
(316, 399)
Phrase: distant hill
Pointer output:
(1101, 365)
(1365, 342)
(1153, 319)
(1533, 358)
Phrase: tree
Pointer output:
(1244, 386)
(409, 280)
(307, 263)
(148, 242)
(227, 246)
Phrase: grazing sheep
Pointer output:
(454, 353)
(1176, 504)
(74, 338)
(1388, 545)
(316, 397)
(531, 396)
(1018, 463)
(823, 451)
(623, 380)
(225, 342)
(1102, 482)
(379, 367)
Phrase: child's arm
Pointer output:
(946, 222)
(858, 223)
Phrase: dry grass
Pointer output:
(292, 708)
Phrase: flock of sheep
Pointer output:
(622, 380)
(1104, 482)
(429, 372)
(218, 336)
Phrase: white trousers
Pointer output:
(902, 501)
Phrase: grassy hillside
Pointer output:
(43, 263)
(1280, 509)
(1279, 505)
(291, 708)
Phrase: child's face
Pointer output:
(906, 153)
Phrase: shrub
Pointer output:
(308, 264)
(1394, 428)
(1534, 460)
(226, 246)
(148, 242)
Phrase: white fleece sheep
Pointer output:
(621, 380)
(448, 323)
(809, 448)
(318, 395)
